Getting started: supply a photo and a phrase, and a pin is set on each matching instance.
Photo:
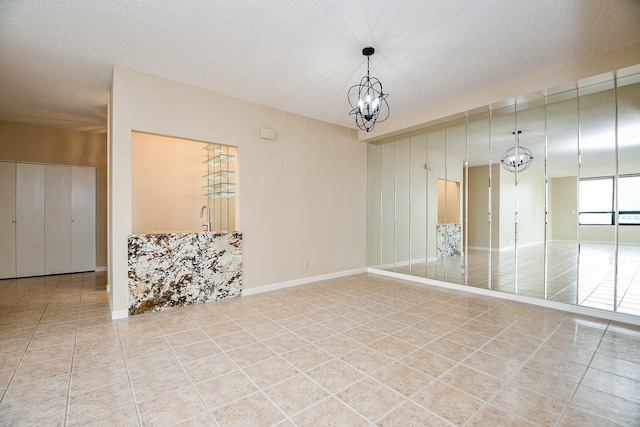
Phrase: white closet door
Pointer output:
(29, 220)
(7, 220)
(57, 219)
(83, 219)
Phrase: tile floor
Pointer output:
(356, 351)
(585, 277)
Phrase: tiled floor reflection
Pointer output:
(356, 351)
(587, 279)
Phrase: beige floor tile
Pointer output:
(528, 405)
(472, 382)
(576, 418)
(338, 345)
(622, 387)
(190, 352)
(495, 417)
(415, 336)
(370, 399)
(335, 375)
(190, 336)
(285, 343)
(492, 365)
(250, 354)
(171, 408)
(624, 352)
(315, 332)
(607, 406)
(50, 414)
(267, 330)
(202, 420)
(29, 394)
(255, 410)
(209, 367)
(295, 394)
(367, 360)
(53, 339)
(271, 371)
(158, 383)
(143, 365)
(47, 353)
(10, 360)
(410, 414)
(402, 379)
(331, 413)
(234, 340)
(453, 405)
(615, 366)
(364, 334)
(14, 346)
(89, 379)
(98, 402)
(547, 385)
(307, 357)
(29, 372)
(93, 359)
(122, 417)
(507, 351)
(428, 363)
(392, 347)
(146, 346)
(225, 389)
(449, 349)
(561, 368)
(469, 339)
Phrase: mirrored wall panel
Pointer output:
(538, 196)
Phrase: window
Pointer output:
(596, 200)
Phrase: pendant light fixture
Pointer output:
(368, 102)
(517, 157)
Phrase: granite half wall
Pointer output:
(177, 269)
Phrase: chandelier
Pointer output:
(370, 101)
(517, 158)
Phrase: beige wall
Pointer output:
(302, 196)
(563, 202)
(38, 144)
(478, 199)
(167, 180)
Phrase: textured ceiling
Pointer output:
(56, 57)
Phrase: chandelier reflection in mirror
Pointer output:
(517, 158)
(368, 101)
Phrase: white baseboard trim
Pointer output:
(101, 268)
(120, 314)
(303, 281)
(576, 309)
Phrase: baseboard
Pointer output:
(303, 281)
(576, 309)
(120, 314)
(101, 268)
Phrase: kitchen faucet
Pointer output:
(206, 224)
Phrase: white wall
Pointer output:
(302, 196)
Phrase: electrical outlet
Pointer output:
(305, 265)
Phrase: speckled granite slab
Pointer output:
(172, 270)
(448, 240)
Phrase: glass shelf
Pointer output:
(219, 174)
(220, 159)
(220, 186)
(219, 194)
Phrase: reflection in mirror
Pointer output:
(419, 171)
(530, 200)
(562, 197)
(478, 200)
(628, 195)
(597, 145)
(567, 228)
